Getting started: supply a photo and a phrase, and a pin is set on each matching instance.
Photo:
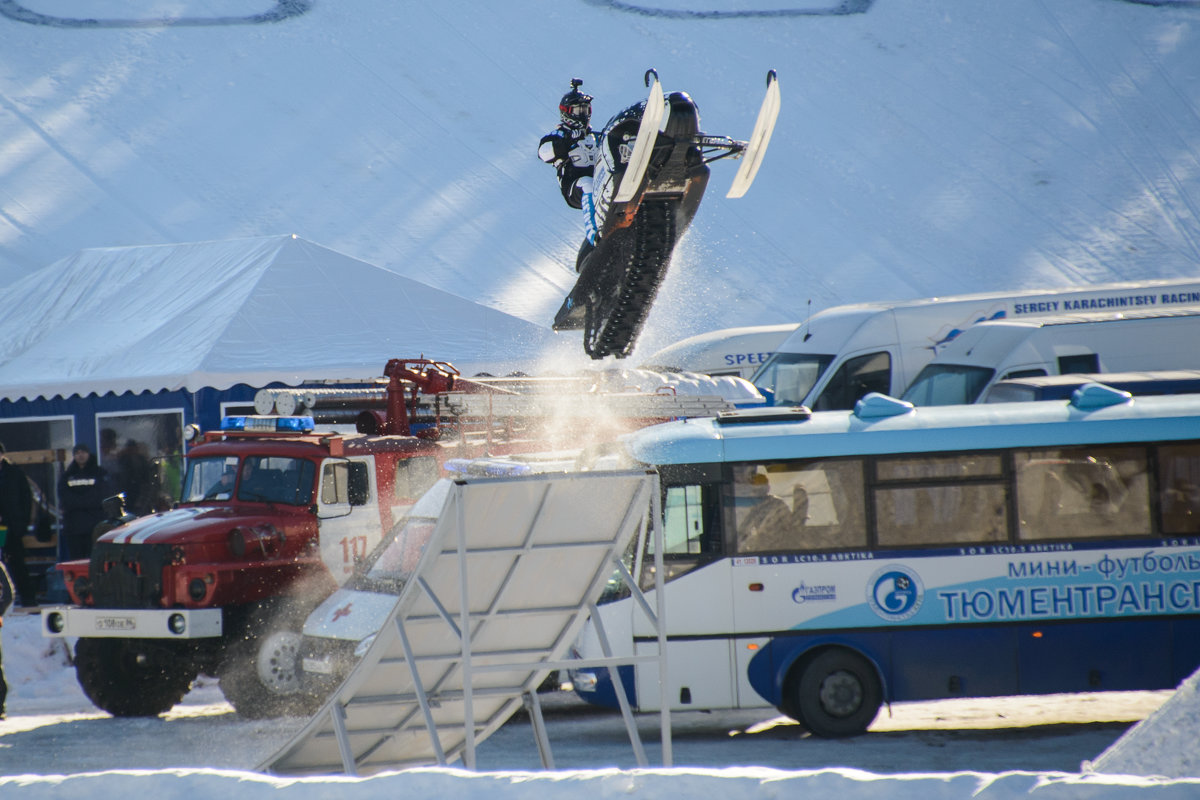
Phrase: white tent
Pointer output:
(253, 311)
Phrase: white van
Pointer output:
(730, 351)
(840, 354)
(1081, 343)
(1062, 387)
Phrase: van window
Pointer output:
(857, 377)
(948, 385)
(1017, 374)
(1010, 393)
(413, 477)
(1084, 362)
(787, 378)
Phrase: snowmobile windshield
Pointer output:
(948, 385)
(788, 378)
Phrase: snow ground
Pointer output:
(995, 748)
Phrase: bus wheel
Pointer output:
(836, 694)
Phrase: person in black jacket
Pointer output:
(81, 490)
(16, 511)
(6, 599)
(572, 148)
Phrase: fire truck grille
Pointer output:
(128, 575)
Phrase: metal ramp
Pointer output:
(514, 562)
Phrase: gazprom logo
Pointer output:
(895, 593)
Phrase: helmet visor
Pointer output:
(576, 111)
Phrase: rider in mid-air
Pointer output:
(573, 149)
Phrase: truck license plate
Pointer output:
(115, 624)
(321, 666)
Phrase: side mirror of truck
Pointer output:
(359, 484)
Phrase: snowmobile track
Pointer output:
(646, 264)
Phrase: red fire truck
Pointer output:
(274, 514)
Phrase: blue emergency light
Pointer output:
(484, 466)
(268, 424)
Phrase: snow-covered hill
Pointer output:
(926, 147)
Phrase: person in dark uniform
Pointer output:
(81, 490)
(572, 148)
(6, 599)
(16, 510)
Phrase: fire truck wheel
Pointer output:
(260, 677)
(131, 677)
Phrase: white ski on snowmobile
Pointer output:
(643, 146)
(756, 147)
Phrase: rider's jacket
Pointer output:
(573, 154)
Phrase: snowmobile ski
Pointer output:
(643, 146)
(756, 147)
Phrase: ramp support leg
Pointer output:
(533, 707)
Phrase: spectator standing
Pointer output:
(134, 471)
(16, 510)
(6, 599)
(81, 490)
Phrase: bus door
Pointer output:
(784, 520)
(700, 615)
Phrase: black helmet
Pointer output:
(575, 106)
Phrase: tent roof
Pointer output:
(253, 311)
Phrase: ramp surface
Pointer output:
(514, 563)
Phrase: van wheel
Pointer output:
(836, 694)
(130, 677)
(260, 676)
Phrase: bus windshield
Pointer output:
(787, 378)
(948, 385)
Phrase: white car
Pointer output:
(339, 631)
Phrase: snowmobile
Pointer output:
(648, 183)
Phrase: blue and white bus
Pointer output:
(825, 563)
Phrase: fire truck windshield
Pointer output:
(209, 479)
(276, 479)
(269, 479)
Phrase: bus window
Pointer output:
(975, 465)
(856, 378)
(1179, 477)
(1077, 494)
(933, 501)
(688, 538)
(683, 516)
(796, 506)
